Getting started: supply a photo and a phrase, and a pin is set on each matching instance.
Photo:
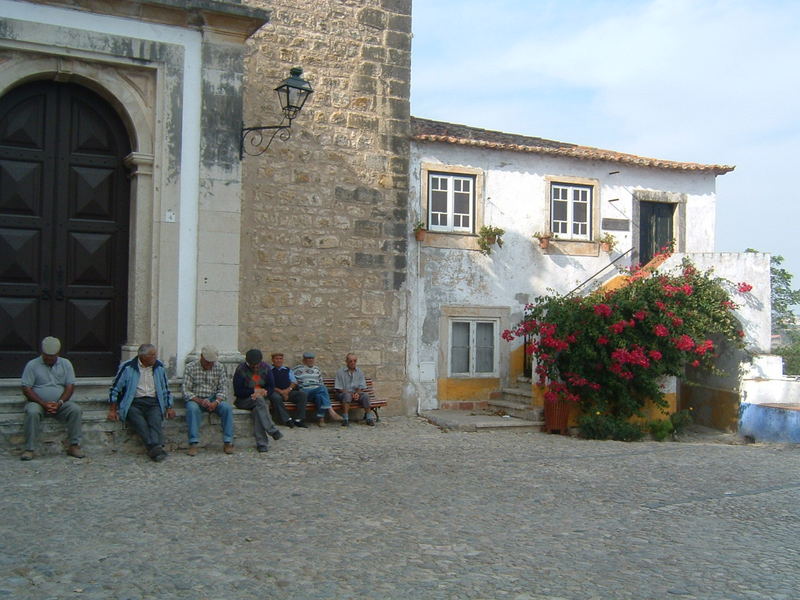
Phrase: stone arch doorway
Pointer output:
(64, 226)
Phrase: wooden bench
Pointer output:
(374, 403)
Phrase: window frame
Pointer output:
(570, 221)
(560, 244)
(473, 323)
(452, 178)
(462, 240)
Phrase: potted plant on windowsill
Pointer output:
(607, 242)
(544, 238)
(419, 231)
(489, 235)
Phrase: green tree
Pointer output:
(783, 296)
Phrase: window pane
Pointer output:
(484, 347)
(439, 202)
(459, 348)
(461, 204)
(559, 211)
(579, 212)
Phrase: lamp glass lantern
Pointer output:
(293, 93)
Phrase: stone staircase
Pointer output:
(99, 434)
(518, 402)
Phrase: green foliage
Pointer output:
(610, 350)
(791, 354)
(681, 420)
(660, 429)
(783, 296)
(595, 426)
(488, 235)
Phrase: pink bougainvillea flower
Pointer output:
(661, 330)
(640, 315)
(602, 340)
(603, 310)
(677, 321)
(744, 287)
(618, 327)
(684, 342)
(655, 354)
(695, 363)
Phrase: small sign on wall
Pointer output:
(427, 371)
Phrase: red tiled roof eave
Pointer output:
(425, 130)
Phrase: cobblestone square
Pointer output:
(404, 510)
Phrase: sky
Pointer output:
(709, 81)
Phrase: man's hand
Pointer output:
(51, 407)
(113, 415)
(284, 393)
(170, 413)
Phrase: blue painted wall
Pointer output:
(769, 424)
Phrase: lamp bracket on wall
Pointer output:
(292, 93)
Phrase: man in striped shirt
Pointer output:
(205, 384)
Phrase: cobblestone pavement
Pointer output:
(403, 510)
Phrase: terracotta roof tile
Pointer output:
(425, 130)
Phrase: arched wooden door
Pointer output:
(64, 212)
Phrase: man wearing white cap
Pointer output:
(48, 382)
(205, 384)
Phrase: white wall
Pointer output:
(516, 199)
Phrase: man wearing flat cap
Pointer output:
(252, 385)
(205, 384)
(47, 383)
(309, 378)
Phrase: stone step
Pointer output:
(518, 403)
(462, 420)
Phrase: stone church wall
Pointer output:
(324, 219)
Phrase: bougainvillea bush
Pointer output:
(609, 350)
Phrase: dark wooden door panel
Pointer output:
(64, 209)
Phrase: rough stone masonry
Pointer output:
(324, 223)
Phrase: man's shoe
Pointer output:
(227, 448)
(75, 451)
(290, 424)
(345, 422)
(371, 422)
(276, 435)
(27, 455)
(160, 455)
(262, 448)
(193, 449)
(321, 422)
(301, 424)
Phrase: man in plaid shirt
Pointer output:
(205, 384)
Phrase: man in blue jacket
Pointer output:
(140, 396)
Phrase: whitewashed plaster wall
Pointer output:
(516, 199)
(755, 306)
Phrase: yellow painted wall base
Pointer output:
(711, 407)
(650, 411)
(465, 394)
(516, 363)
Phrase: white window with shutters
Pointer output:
(451, 202)
(571, 211)
(473, 348)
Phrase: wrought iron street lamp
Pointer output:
(292, 93)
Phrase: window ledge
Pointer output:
(572, 247)
(458, 241)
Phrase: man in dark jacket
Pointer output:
(286, 390)
(252, 385)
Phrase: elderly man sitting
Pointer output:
(47, 383)
(309, 378)
(205, 384)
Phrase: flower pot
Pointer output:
(556, 416)
(544, 242)
(605, 246)
(419, 234)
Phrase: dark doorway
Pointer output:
(655, 228)
(64, 211)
